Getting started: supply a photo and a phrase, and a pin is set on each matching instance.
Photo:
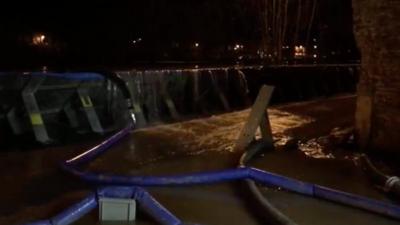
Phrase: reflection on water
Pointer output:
(313, 148)
(215, 135)
(207, 144)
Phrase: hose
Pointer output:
(270, 212)
(390, 184)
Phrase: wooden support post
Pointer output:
(258, 117)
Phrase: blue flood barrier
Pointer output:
(82, 76)
(97, 150)
(357, 201)
(176, 180)
(145, 201)
(71, 214)
(76, 211)
(289, 184)
(263, 177)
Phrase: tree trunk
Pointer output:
(377, 28)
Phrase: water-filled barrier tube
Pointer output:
(145, 201)
(159, 212)
(257, 175)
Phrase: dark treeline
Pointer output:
(156, 30)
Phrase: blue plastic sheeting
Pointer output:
(263, 177)
(145, 201)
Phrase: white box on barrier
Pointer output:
(117, 209)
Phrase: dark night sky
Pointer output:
(102, 33)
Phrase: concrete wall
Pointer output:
(377, 31)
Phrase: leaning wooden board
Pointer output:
(258, 117)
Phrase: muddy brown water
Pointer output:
(206, 145)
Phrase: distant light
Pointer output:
(237, 47)
(315, 56)
(139, 39)
(39, 39)
(333, 53)
(314, 39)
(299, 51)
(196, 44)
(315, 47)
(134, 41)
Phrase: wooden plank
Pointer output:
(266, 131)
(257, 113)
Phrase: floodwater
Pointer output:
(206, 145)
